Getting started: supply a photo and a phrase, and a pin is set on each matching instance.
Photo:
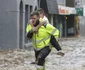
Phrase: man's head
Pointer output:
(35, 18)
(41, 12)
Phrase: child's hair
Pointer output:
(34, 13)
(41, 11)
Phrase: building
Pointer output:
(51, 9)
(57, 11)
(71, 19)
(66, 18)
(61, 2)
(14, 15)
(80, 4)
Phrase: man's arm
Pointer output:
(29, 34)
(30, 29)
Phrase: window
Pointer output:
(31, 9)
(61, 2)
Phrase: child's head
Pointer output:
(41, 12)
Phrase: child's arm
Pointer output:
(41, 23)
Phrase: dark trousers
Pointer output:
(41, 55)
(55, 43)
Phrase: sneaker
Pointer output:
(60, 53)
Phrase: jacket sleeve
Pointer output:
(52, 30)
(29, 32)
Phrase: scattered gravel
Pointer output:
(74, 59)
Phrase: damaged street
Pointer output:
(74, 59)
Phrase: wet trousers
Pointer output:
(41, 55)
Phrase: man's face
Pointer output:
(34, 18)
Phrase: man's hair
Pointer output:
(34, 13)
(41, 11)
(37, 14)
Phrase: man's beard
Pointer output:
(37, 23)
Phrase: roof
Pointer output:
(49, 6)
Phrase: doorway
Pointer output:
(21, 26)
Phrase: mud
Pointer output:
(74, 59)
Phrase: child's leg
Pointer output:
(55, 43)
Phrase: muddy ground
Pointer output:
(74, 59)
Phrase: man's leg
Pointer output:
(36, 56)
(41, 58)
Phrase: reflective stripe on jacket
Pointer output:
(41, 38)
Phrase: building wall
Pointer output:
(61, 2)
(70, 3)
(83, 2)
(8, 24)
(12, 23)
(80, 4)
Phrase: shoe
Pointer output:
(60, 53)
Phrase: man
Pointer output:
(41, 39)
(53, 41)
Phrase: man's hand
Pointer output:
(34, 29)
(31, 22)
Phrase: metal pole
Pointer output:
(65, 28)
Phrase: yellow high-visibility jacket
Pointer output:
(41, 38)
